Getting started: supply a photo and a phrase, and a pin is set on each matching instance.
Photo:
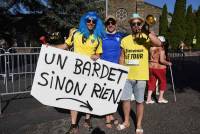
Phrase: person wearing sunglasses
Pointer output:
(86, 40)
(111, 53)
(134, 54)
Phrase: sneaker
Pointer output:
(150, 102)
(73, 129)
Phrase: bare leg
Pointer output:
(108, 121)
(126, 109)
(161, 95)
(139, 114)
(73, 128)
(161, 98)
(149, 95)
(74, 115)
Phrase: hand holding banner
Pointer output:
(68, 80)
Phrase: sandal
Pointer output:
(139, 131)
(122, 126)
(73, 129)
(109, 124)
(88, 124)
(150, 102)
(115, 121)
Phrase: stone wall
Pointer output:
(123, 9)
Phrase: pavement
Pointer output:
(22, 114)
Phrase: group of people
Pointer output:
(101, 40)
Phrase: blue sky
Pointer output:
(170, 3)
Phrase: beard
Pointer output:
(136, 30)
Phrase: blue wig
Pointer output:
(99, 29)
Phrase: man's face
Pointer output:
(110, 25)
(91, 23)
(136, 25)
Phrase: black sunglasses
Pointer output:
(91, 21)
(136, 24)
(110, 22)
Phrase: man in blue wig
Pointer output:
(86, 40)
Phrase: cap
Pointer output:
(136, 16)
(110, 17)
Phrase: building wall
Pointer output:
(123, 9)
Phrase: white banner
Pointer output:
(71, 81)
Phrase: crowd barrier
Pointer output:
(17, 70)
(172, 53)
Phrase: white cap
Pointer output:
(161, 38)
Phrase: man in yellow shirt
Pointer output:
(86, 40)
(134, 54)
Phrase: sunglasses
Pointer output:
(110, 22)
(136, 24)
(91, 21)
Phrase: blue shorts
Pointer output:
(136, 87)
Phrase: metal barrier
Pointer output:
(179, 57)
(175, 53)
(17, 70)
(24, 50)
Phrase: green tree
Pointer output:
(40, 18)
(198, 29)
(163, 25)
(65, 14)
(190, 26)
(177, 27)
(17, 25)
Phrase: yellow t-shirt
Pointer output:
(136, 56)
(89, 47)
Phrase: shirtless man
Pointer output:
(157, 68)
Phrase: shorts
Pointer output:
(157, 74)
(136, 87)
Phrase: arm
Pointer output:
(163, 58)
(121, 58)
(154, 39)
(61, 46)
(69, 42)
